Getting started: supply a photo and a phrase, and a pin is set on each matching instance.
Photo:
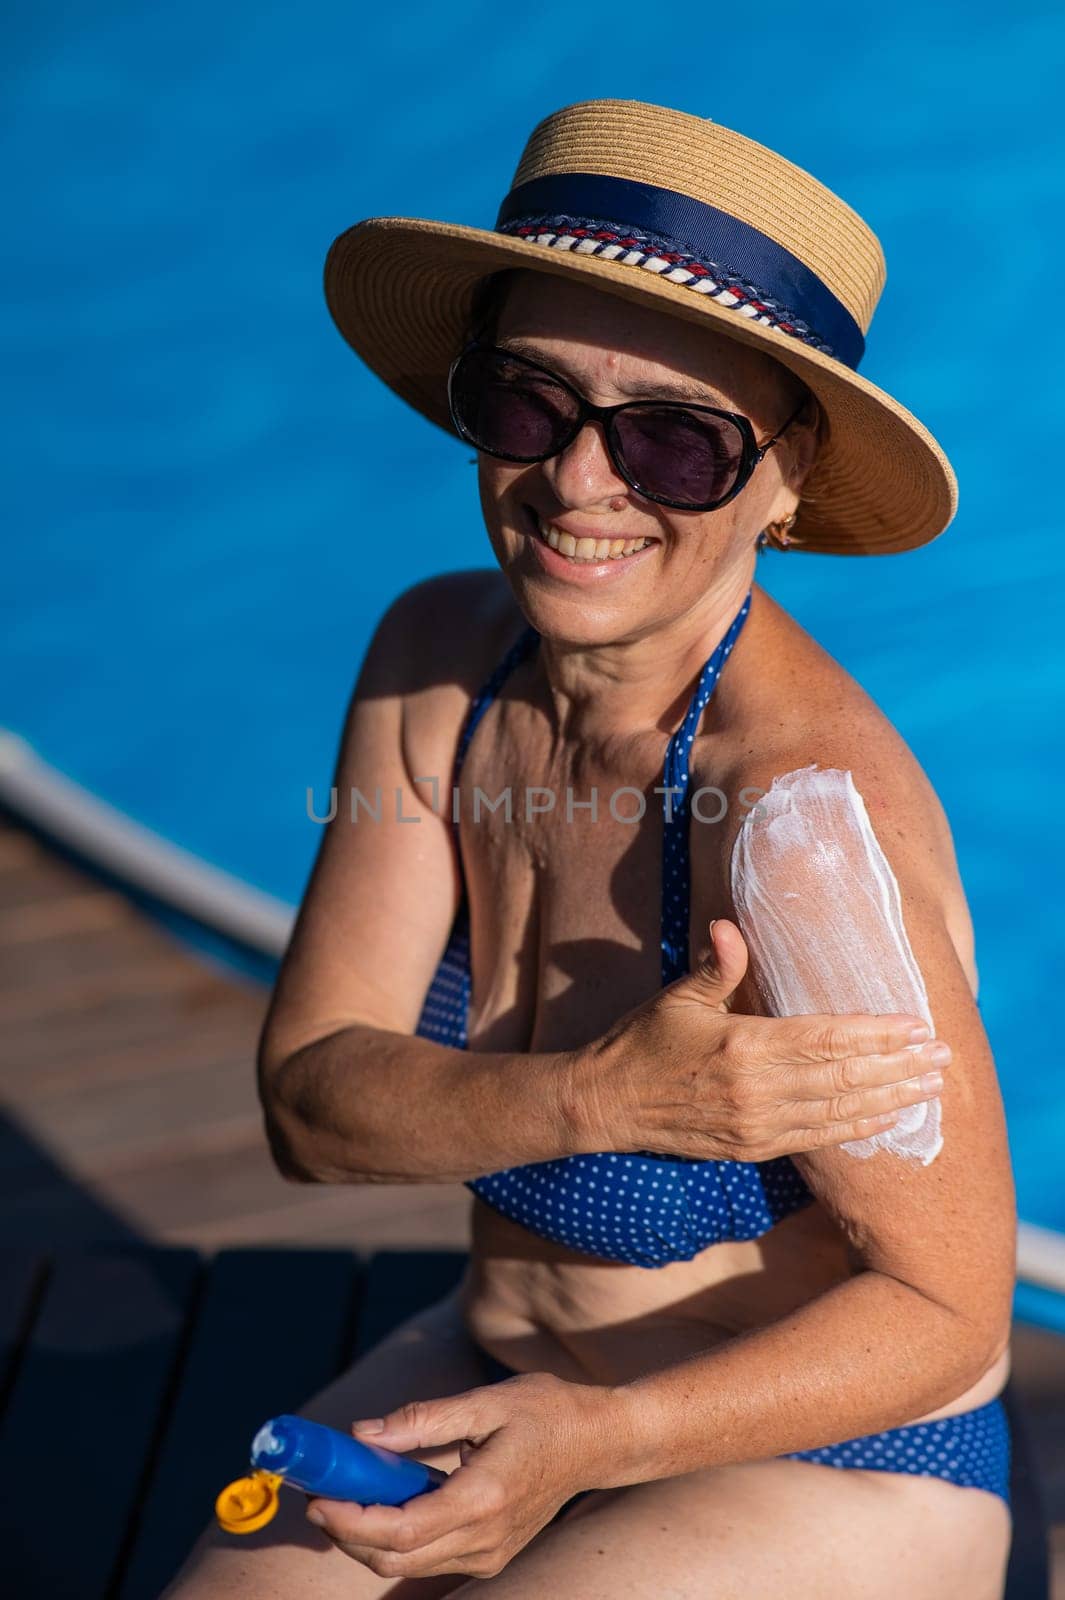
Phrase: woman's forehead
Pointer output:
(601, 333)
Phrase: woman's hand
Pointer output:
(528, 1444)
(682, 1076)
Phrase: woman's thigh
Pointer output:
(430, 1355)
(767, 1528)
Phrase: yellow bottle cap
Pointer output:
(248, 1503)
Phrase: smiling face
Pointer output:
(556, 526)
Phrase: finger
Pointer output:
(421, 1423)
(889, 1099)
(411, 1541)
(374, 1527)
(836, 1133)
(721, 964)
(865, 1074)
(400, 1541)
(465, 1553)
(828, 1038)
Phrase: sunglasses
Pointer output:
(690, 457)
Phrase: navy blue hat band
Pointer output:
(689, 242)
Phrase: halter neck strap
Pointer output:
(676, 812)
(523, 646)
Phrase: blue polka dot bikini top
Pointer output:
(631, 1206)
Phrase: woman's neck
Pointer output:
(642, 682)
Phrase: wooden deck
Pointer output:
(129, 1111)
(128, 1084)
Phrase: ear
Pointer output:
(806, 438)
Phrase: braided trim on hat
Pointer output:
(589, 236)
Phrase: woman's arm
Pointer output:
(928, 1310)
(349, 1094)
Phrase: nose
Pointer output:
(583, 475)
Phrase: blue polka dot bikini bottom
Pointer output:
(971, 1449)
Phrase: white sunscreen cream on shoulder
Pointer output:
(819, 907)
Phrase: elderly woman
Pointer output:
(646, 948)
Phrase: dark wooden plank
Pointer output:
(1028, 1575)
(399, 1283)
(22, 1275)
(83, 1416)
(1037, 1377)
(273, 1327)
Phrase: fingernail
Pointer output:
(371, 1425)
(938, 1052)
(931, 1080)
(317, 1518)
(919, 1035)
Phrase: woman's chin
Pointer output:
(581, 616)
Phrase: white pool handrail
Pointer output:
(113, 841)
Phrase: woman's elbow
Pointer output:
(975, 1341)
(303, 1150)
(286, 1131)
(991, 1337)
(289, 1151)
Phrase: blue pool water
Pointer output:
(209, 502)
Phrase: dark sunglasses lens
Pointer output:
(508, 408)
(685, 456)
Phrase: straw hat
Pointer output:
(679, 213)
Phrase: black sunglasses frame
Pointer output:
(752, 452)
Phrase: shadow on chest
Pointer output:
(562, 857)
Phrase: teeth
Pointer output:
(588, 549)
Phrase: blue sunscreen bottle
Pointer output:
(320, 1461)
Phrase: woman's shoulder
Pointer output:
(785, 700)
(780, 694)
(799, 707)
(433, 649)
(452, 624)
